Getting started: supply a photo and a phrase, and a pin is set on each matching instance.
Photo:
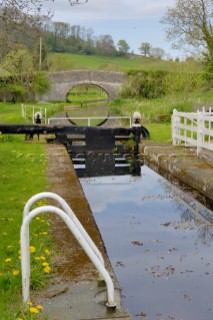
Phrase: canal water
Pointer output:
(160, 243)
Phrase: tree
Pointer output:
(105, 45)
(18, 61)
(40, 83)
(145, 49)
(18, 18)
(189, 23)
(123, 47)
(157, 53)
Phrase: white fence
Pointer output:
(193, 129)
(31, 111)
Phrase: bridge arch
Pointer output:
(94, 84)
(62, 82)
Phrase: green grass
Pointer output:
(11, 112)
(151, 109)
(69, 61)
(22, 171)
(160, 132)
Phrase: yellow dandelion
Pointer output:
(8, 260)
(45, 232)
(34, 310)
(32, 249)
(44, 264)
(16, 272)
(29, 303)
(39, 307)
(38, 218)
(37, 258)
(47, 269)
(47, 251)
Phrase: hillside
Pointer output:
(70, 61)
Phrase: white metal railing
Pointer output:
(33, 111)
(193, 129)
(89, 119)
(77, 230)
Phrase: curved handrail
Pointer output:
(25, 249)
(70, 213)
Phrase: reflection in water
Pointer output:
(159, 241)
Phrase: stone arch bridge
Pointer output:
(64, 81)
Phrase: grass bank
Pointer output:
(156, 113)
(22, 171)
(12, 112)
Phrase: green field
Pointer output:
(69, 61)
(22, 171)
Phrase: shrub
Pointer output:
(183, 82)
(156, 84)
(40, 83)
(145, 84)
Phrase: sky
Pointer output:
(135, 21)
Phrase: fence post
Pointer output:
(23, 111)
(199, 131)
(175, 127)
(33, 114)
(45, 115)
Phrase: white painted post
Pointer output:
(33, 114)
(199, 132)
(23, 111)
(175, 127)
(45, 115)
(25, 256)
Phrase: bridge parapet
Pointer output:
(90, 75)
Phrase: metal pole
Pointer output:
(40, 53)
